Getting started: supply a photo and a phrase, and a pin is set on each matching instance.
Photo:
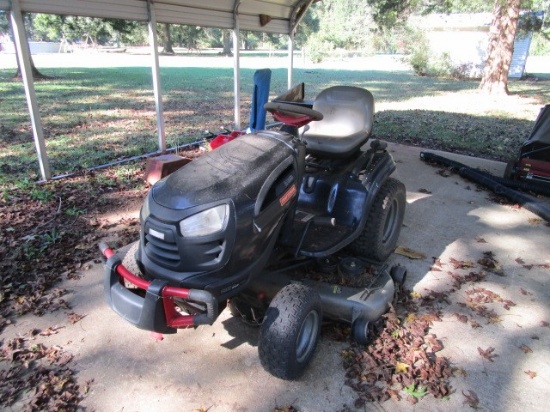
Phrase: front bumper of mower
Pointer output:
(153, 308)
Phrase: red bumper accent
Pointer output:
(174, 319)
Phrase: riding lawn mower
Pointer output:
(246, 225)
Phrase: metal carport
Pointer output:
(271, 16)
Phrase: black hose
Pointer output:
(527, 186)
(534, 186)
(531, 203)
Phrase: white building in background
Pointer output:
(464, 38)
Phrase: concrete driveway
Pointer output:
(217, 368)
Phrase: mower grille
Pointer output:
(162, 250)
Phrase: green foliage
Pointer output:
(415, 392)
(35, 245)
(540, 45)
(389, 13)
(49, 27)
(41, 194)
(420, 56)
(4, 25)
(74, 211)
(318, 49)
(344, 23)
(426, 62)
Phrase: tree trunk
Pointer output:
(227, 43)
(35, 73)
(168, 44)
(501, 46)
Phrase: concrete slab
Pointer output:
(217, 368)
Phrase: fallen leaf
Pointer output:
(437, 262)
(424, 191)
(544, 324)
(460, 372)
(415, 295)
(525, 292)
(461, 318)
(462, 264)
(471, 399)
(415, 392)
(411, 254)
(411, 317)
(530, 373)
(278, 409)
(490, 263)
(526, 349)
(52, 330)
(487, 353)
(74, 317)
(520, 261)
(401, 367)
(474, 324)
(480, 240)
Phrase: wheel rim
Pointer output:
(390, 224)
(307, 336)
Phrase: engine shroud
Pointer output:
(256, 175)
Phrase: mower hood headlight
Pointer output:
(206, 222)
(145, 211)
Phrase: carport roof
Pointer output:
(283, 14)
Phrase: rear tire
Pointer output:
(379, 237)
(290, 331)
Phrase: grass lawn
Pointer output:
(93, 116)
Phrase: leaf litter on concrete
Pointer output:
(403, 359)
(49, 233)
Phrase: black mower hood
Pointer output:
(237, 168)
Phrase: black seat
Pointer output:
(347, 123)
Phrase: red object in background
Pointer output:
(533, 169)
(223, 139)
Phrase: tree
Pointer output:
(502, 32)
(167, 40)
(35, 72)
(227, 43)
(501, 46)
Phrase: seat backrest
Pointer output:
(347, 123)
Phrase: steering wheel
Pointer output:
(292, 114)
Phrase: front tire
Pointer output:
(379, 237)
(360, 331)
(129, 261)
(290, 331)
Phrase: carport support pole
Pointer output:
(236, 68)
(24, 56)
(290, 58)
(155, 68)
